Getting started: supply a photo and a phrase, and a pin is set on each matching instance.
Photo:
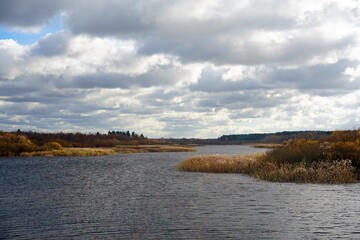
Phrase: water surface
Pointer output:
(143, 196)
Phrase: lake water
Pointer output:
(143, 196)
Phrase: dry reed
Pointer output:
(86, 152)
(256, 165)
(72, 152)
(218, 163)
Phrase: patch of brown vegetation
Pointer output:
(71, 152)
(258, 166)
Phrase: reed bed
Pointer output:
(72, 152)
(334, 172)
(256, 165)
(218, 163)
(86, 152)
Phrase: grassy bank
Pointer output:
(258, 166)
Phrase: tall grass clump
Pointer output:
(335, 172)
(218, 163)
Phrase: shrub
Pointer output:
(53, 146)
(345, 150)
(14, 145)
(297, 151)
(345, 136)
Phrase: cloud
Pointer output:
(109, 17)
(162, 76)
(320, 76)
(182, 68)
(332, 76)
(28, 14)
(11, 54)
(213, 80)
(52, 44)
(222, 32)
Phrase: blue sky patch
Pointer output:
(55, 25)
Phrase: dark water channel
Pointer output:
(143, 196)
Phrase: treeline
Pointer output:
(16, 143)
(125, 134)
(278, 137)
(111, 139)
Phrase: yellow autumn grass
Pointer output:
(86, 152)
(218, 163)
(72, 152)
(255, 165)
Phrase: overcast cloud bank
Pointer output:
(181, 68)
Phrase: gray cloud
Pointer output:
(52, 44)
(164, 75)
(212, 81)
(26, 84)
(109, 17)
(216, 38)
(321, 76)
(214, 48)
(18, 13)
(181, 68)
(238, 100)
(236, 32)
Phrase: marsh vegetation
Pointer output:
(332, 160)
(17, 144)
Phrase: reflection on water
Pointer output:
(142, 196)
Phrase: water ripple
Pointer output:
(142, 196)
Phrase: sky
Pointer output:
(179, 68)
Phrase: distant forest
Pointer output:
(274, 137)
(278, 137)
(115, 138)
(111, 139)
